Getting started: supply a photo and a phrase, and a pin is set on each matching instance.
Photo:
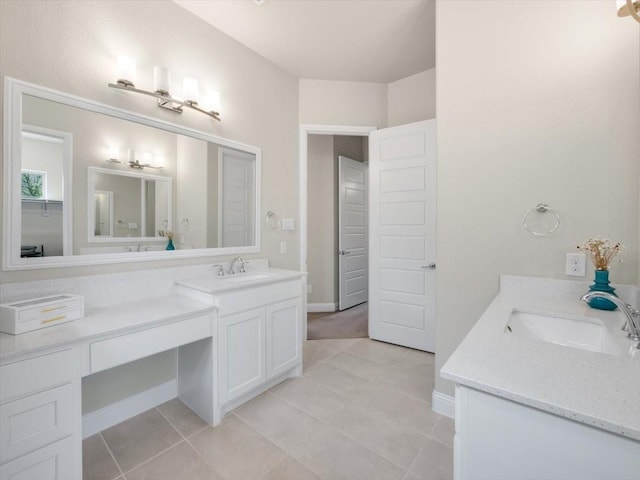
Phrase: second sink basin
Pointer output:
(245, 277)
(567, 331)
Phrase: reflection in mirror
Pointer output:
(45, 163)
(104, 213)
(134, 179)
(125, 205)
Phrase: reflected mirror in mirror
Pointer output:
(92, 180)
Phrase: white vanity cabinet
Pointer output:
(38, 426)
(260, 339)
(498, 439)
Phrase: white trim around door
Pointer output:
(304, 132)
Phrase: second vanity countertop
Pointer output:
(597, 389)
(213, 284)
(144, 313)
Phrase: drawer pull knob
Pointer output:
(49, 320)
(51, 309)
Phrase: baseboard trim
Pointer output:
(321, 307)
(443, 404)
(98, 420)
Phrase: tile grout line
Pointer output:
(368, 380)
(112, 455)
(329, 426)
(186, 439)
(346, 434)
(157, 454)
(375, 411)
(260, 432)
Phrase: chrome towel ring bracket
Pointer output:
(538, 223)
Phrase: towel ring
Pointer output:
(529, 218)
(271, 220)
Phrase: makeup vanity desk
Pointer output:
(235, 339)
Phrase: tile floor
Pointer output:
(361, 411)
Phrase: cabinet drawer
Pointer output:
(35, 374)
(35, 421)
(257, 297)
(53, 462)
(126, 348)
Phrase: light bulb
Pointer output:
(147, 158)
(114, 155)
(158, 161)
(190, 89)
(126, 71)
(211, 102)
(161, 79)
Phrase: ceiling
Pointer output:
(353, 40)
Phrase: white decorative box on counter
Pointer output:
(27, 315)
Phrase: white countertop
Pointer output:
(214, 284)
(597, 389)
(102, 322)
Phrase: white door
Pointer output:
(402, 221)
(353, 237)
(236, 174)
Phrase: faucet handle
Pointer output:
(220, 269)
(244, 262)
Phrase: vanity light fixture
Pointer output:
(161, 82)
(114, 155)
(147, 161)
(626, 8)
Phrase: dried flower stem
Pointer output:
(601, 251)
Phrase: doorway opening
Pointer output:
(334, 229)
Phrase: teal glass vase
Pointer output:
(601, 284)
(170, 245)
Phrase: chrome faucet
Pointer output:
(232, 267)
(220, 269)
(632, 326)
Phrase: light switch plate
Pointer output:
(283, 247)
(288, 224)
(576, 264)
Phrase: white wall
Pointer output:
(343, 103)
(322, 246)
(538, 101)
(412, 99)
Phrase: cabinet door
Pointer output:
(242, 353)
(284, 343)
(53, 462)
(35, 421)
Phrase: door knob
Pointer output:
(430, 266)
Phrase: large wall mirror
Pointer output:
(86, 183)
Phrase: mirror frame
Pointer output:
(12, 217)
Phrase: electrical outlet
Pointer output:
(309, 288)
(576, 264)
(283, 247)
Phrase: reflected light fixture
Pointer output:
(626, 8)
(126, 73)
(114, 155)
(148, 160)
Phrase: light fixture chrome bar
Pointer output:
(166, 100)
(139, 165)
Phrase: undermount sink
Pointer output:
(245, 277)
(567, 331)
